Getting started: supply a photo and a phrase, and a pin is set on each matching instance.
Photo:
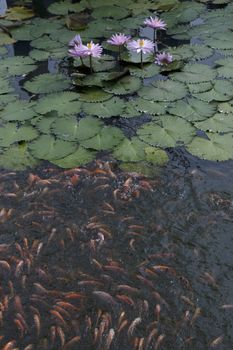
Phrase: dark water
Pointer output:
(97, 258)
(92, 250)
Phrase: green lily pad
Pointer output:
(106, 139)
(65, 103)
(220, 122)
(200, 87)
(225, 71)
(44, 123)
(5, 86)
(18, 65)
(124, 86)
(17, 157)
(109, 11)
(11, 133)
(225, 107)
(130, 150)
(48, 148)
(47, 83)
(150, 107)
(80, 157)
(70, 130)
(163, 90)
(217, 147)
(105, 109)
(94, 95)
(195, 73)
(18, 13)
(18, 111)
(64, 7)
(192, 109)
(132, 57)
(168, 131)
(156, 156)
(222, 90)
(149, 70)
(6, 39)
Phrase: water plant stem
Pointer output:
(119, 53)
(91, 68)
(141, 60)
(81, 59)
(154, 40)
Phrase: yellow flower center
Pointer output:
(141, 42)
(89, 45)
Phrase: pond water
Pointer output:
(116, 199)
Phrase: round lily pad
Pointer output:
(124, 86)
(47, 83)
(12, 132)
(105, 109)
(106, 139)
(168, 131)
(163, 90)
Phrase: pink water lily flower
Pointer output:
(91, 49)
(77, 52)
(155, 23)
(76, 41)
(163, 59)
(118, 39)
(141, 45)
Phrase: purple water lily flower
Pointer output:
(118, 39)
(155, 23)
(141, 46)
(91, 49)
(163, 59)
(76, 41)
(76, 51)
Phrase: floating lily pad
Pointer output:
(105, 109)
(12, 132)
(70, 129)
(94, 95)
(200, 87)
(168, 131)
(192, 109)
(156, 155)
(18, 13)
(150, 107)
(109, 11)
(216, 147)
(64, 7)
(18, 111)
(132, 57)
(47, 147)
(149, 70)
(225, 107)
(130, 150)
(163, 90)
(226, 69)
(220, 122)
(43, 123)
(106, 139)
(5, 86)
(195, 73)
(6, 39)
(47, 83)
(124, 86)
(18, 65)
(65, 103)
(222, 90)
(17, 157)
(81, 156)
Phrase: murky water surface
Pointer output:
(98, 258)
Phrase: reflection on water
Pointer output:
(98, 259)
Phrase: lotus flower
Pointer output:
(76, 51)
(155, 23)
(163, 59)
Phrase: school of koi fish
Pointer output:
(79, 270)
